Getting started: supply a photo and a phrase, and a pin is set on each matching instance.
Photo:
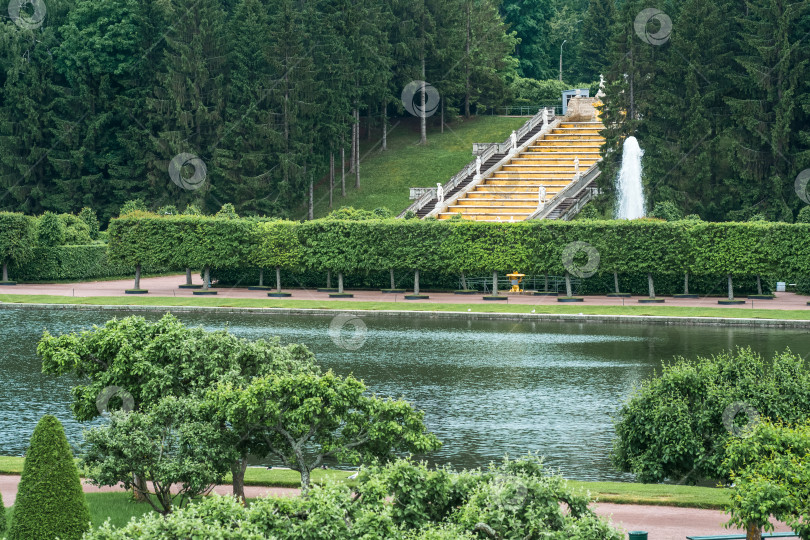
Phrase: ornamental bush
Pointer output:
(50, 230)
(50, 501)
(2, 516)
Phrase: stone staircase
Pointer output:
(511, 193)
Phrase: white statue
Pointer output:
(439, 193)
(576, 166)
(578, 93)
(541, 199)
(601, 92)
(514, 141)
(477, 165)
(545, 117)
(511, 219)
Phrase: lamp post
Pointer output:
(561, 46)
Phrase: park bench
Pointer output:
(742, 536)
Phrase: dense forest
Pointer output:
(98, 98)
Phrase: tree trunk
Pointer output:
(139, 488)
(391, 271)
(206, 277)
(343, 171)
(5, 271)
(328, 279)
(385, 127)
(442, 125)
(311, 201)
(546, 285)
(616, 282)
(354, 143)
(495, 283)
(278, 279)
(137, 277)
(686, 283)
(759, 283)
(357, 156)
(463, 281)
(730, 288)
(422, 117)
(238, 468)
(416, 282)
(261, 277)
(650, 284)
(188, 275)
(340, 282)
(331, 178)
(304, 480)
(753, 532)
(568, 292)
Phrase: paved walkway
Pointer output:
(662, 522)
(167, 286)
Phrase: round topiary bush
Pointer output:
(804, 215)
(50, 230)
(50, 501)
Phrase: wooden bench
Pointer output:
(742, 536)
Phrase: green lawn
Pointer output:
(386, 176)
(665, 311)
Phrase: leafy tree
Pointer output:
(50, 230)
(770, 468)
(227, 212)
(171, 443)
(133, 205)
(77, 232)
(17, 233)
(276, 245)
(676, 426)
(50, 502)
(164, 358)
(304, 418)
(804, 215)
(530, 19)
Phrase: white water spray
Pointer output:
(628, 182)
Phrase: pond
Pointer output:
(487, 387)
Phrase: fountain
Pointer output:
(628, 182)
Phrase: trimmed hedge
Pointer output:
(73, 263)
(50, 501)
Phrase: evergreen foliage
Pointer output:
(50, 230)
(50, 502)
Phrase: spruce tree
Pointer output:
(50, 502)
(596, 38)
(531, 20)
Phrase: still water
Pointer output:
(487, 387)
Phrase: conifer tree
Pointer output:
(596, 38)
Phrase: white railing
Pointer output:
(571, 190)
(487, 151)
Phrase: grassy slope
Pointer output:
(665, 311)
(386, 177)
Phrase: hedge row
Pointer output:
(72, 263)
(626, 247)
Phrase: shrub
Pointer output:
(667, 211)
(227, 211)
(88, 215)
(134, 205)
(77, 232)
(2, 516)
(50, 230)
(50, 501)
(804, 215)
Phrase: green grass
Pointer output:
(655, 494)
(386, 176)
(652, 310)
